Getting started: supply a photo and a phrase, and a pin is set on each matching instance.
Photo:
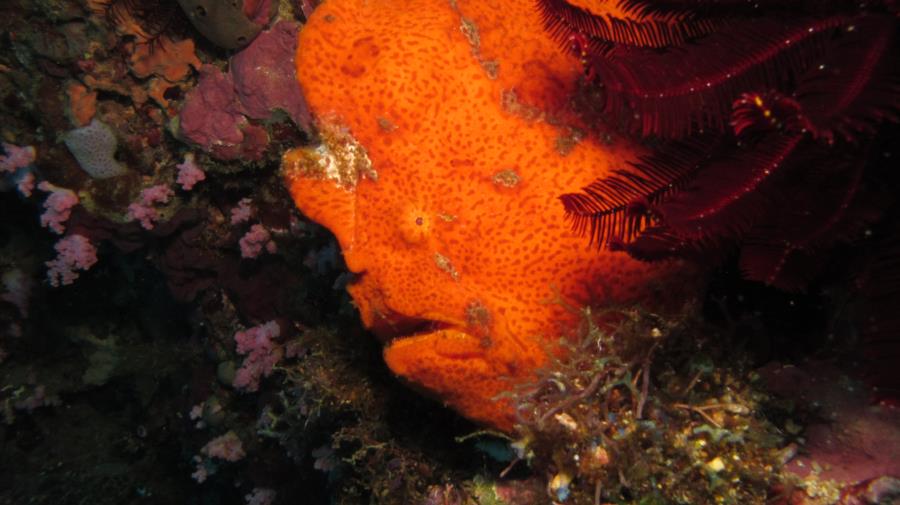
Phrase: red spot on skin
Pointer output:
(363, 52)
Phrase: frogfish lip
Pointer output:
(389, 324)
(395, 326)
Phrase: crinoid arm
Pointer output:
(604, 23)
(689, 89)
(619, 207)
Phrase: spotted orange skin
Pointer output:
(461, 245)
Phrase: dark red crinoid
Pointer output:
(771, 121)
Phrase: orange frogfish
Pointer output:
(448, 133)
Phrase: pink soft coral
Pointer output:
(262, 353)
(189, 173)
(242, 212)
(261, 496)
(144, 210)
(253, 242)
(227, 447)
(17, 162)
(16, 157)
(74, 253)
(25, 182)
(57, 207)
